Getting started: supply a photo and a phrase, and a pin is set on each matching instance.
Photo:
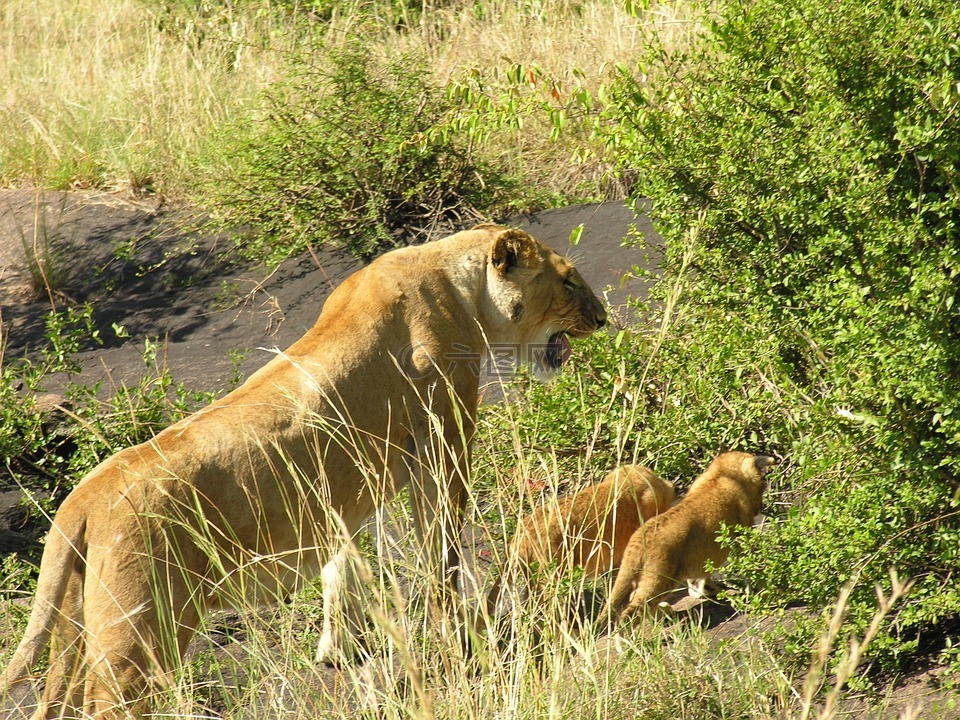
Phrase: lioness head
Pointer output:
(539, 297)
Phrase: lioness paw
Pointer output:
(335, 651)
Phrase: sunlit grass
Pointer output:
(95, 94)
(530, 660)
(126, 95)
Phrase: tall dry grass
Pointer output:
(95, 94)
(113, 94)
(538, 661)
(559, 36)
(535, 661)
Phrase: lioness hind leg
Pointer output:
(133, 647)
(129, 664)
(63, 693)
(343, 616)
(115, 668)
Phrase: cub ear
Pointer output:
(763, 463)
(513, 248)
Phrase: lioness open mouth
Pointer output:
(558, 350)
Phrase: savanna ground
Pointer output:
(190, 179)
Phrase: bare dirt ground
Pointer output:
(157, 273)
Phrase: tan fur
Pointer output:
(250, 497)
(675, 547)
(589, 529)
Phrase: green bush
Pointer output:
(816, 150)
(350, 151)
(634, 398)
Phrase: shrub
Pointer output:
(815, 147)
(349, 151)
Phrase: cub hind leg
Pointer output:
(642, 583)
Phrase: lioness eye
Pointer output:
(569, 284)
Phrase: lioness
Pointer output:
(674, 547)
(249, 497)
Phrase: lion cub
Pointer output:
(590, 529)
(674, 547)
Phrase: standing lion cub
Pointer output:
(674, 547)
(590, 529)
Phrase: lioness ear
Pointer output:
(513, 248)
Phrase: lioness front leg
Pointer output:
(343, 615)
(438, 513)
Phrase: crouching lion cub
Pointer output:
(674, 547)
(589, 529)
(249, 498)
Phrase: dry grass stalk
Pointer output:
(849, 664)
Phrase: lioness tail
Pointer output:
(62, 553)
